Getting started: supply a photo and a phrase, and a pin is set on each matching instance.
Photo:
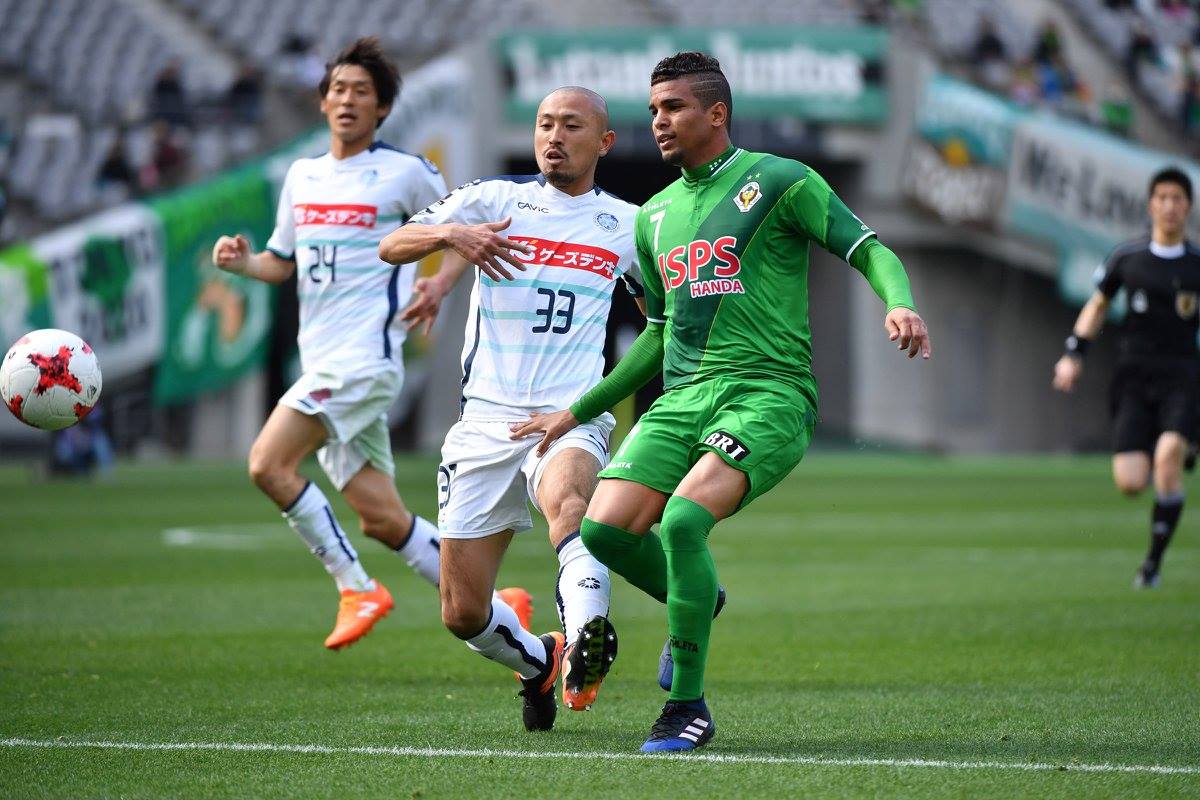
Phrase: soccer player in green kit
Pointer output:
(724, 260)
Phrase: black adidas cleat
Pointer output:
(681, 727)
(586, 663)
(1147, 576)
(666, 663)
(540, 705)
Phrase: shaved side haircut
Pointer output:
(704, 75)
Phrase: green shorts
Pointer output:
(761, 428)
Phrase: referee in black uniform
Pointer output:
(1156, 388)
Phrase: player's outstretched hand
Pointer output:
(428, 294)
(232, 253)
(906, 326)
(551, 426)
(483, 246)
(1067, 372)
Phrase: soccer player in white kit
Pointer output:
(533, 343)
(333, 211)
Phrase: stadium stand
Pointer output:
(1159, 44)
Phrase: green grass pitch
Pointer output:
(898, 626)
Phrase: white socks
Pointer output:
(311, 516)
(422, 550)
(504, 640)
(583, 586)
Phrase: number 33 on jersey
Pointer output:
(536, 343)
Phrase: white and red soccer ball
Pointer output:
(50, 379)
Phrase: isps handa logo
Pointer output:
(686, 262)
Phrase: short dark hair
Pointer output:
(1172, 175)
(703, 73)
(368, 54)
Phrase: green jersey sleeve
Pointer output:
(651, 280)
(820, 215)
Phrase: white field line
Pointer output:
(715, 758)
(251, 538)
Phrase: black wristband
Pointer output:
(1077, 345)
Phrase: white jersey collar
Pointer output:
(558, 194)
(1167, 250)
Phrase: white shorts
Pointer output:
(486, 480)
(353, 407)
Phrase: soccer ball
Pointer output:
(50, 379)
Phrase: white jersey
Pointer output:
(536, 343)
(332, 215)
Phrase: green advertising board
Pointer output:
(217, 324)
(830, 74)
(24, 289)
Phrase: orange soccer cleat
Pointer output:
(521, 602)
(539, 705)
(586, 663)
(357, 614)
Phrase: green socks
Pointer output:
(676, 569)
(637, 559)
(691, 593)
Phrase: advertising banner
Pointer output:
(218, 324)
(106, 285)
(25, 293)
(825, 74)
(977, 158)
(957, 163)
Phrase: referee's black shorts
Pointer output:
(1151, 397)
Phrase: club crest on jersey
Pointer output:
(607, 221)
(369, 176)
(747, 196)
(1185, 304)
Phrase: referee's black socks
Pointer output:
(1167, 509)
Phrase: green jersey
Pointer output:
(724, 260)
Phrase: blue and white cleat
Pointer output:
(681, 727)
(666, 664)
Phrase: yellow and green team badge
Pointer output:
(747, 196)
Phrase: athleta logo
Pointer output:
(547, 252)
(685, 262)
(728, 444)
(326, 214)
(683, 644)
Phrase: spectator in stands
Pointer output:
(245, 96)
(1024, 89)
(167, 98)
(116, 178)
(1141, 49)
(169, 159)
(990, 56)
(1116, 110)
(1049, 47)
(1190, 105)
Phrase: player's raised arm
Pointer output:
(482, 245)
(232, 254)
(1069, 367)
